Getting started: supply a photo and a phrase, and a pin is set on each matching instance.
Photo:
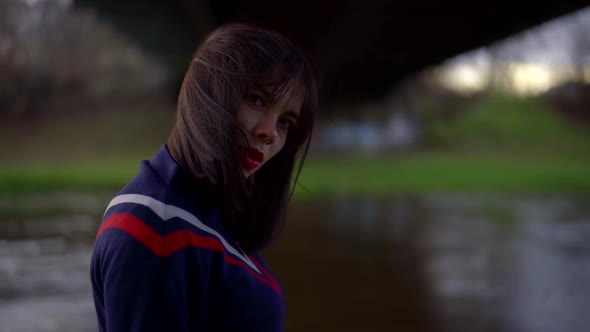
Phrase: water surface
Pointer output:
(433, 262)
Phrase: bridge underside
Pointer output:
(362, 47)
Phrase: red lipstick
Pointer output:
(256, 154)
(252, 157)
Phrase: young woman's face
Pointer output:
(267, 121)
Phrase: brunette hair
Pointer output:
(206, 137)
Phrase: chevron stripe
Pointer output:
(166, 245)
(167, 212)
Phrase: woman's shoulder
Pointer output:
(159, 209)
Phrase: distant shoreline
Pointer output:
(411, 172)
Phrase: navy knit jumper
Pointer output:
(164, 262)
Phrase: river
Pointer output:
(426, 262)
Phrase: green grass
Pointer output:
(510, 124)
(434, 172)
(105, 175)
(321, 175)
(500, 143)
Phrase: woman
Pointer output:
(177, 248)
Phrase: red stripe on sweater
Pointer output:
(166, 245)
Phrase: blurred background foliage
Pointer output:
(75, 91)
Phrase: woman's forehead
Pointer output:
(286, 94)
(274, 75)
(277, 84)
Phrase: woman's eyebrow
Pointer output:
(264, 90)
(267, 92)
(292, 114)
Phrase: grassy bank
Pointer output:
(392, 174)
(433, 172)
(500, 143)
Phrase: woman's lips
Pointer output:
(256, 154)
(252, 157)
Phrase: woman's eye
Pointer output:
(286, 123)
(255, 100)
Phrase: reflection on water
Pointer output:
(44, 286)
(436, 262)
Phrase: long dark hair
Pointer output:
(206, 137)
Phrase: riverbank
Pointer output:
(414, 172)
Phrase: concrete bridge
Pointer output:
(363, 47)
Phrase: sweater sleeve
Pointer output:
(133, 288)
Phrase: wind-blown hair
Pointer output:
(206, 136)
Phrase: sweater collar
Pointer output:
(176, 176)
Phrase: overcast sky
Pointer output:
(554, 42)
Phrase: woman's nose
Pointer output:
(265, 130)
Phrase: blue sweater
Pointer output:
(163, 261)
